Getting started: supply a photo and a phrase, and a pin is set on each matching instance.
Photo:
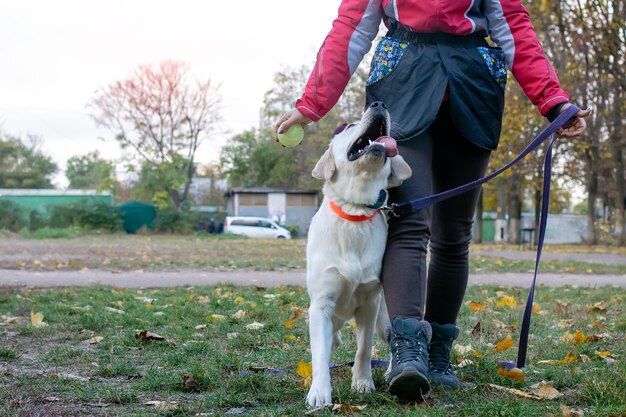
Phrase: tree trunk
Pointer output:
(515, 209)
(592, 195)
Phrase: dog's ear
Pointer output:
(400, 171)
(325, 167)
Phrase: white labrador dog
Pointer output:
(346, 243)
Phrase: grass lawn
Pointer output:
(165, 252)
(87, 360)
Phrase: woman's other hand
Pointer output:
(577, 126)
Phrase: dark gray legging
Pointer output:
(441, 159)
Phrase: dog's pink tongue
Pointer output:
(391, 147)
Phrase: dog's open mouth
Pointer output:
(374, 140)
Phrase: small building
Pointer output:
(40, 199)
(287, 207)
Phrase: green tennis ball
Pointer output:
(291, 137)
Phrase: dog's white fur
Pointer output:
(344, 258)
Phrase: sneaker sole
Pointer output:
(409, 385)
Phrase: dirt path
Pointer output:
(147, 279)
(593, 258)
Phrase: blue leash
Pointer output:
(402, 209)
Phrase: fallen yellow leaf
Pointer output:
(507, 301)
(305, 371)
(569, 358)
(289, 325)
(476, 306)
(504, 344)
(36, 319)
(536, 308)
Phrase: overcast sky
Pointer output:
(56, 54)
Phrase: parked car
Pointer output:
(259, 227)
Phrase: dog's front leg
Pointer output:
(365, 318)
(321, 333)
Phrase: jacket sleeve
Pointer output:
(343, 49)
(510, 27)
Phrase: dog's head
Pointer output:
(363, 158)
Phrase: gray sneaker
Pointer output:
(439, 367)
(408, 377)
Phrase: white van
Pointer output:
(259, 227)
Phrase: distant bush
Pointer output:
(294, 230)
(89, 215)
(172, 221)
(11, 216)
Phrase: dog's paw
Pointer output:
(364, 386)
(319, 395)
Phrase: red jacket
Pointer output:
(506, 21)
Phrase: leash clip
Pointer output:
(391, 209)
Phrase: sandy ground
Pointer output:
(154, 279)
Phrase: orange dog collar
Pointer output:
(353, 218)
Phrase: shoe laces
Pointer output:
(408, 348)
(439, 356)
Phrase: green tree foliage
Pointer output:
(254, 159)
(90, 171)
(161, 115)
(23, 164)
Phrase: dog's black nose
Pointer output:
(378, 104)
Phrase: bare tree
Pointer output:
(162, 114)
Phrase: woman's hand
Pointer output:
(577, 126)
(289, 119)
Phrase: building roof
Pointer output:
(50, 192)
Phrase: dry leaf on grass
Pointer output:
(239, 314)
(541, 391)
(507, 301)
(162, 405)
(504, 344)
(289, 325)
(305, 371)
(95, 340)
(571, 412)
(569, 358)
(12, 320)
(607, 356)
(476, 306)
(146, 335)
(190, 383)
(114, 310)
(544, 391)
(36, 319)
(255, 326)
